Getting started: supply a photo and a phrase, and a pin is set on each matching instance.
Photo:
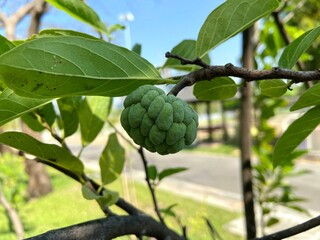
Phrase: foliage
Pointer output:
(67, 203)
(13, 179)
(271, 184)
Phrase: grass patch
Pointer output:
(66, 206)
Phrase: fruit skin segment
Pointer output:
(158, 122)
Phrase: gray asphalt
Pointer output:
(222, 172)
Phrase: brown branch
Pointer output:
(284, 34)
(185, 61)
(13, 215)
(110, 228)
(303, 227)
(247, 74)
(22, 12)
(150, 186)
(40, 7)
(10, 22)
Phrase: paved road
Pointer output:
(222, 173)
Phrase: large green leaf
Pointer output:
(273, 87)
(311, 97)
(13, 106)
(112, 160)
(81, 11)
(230, 18)
(93, 112)
(295, 49)
(59, 66)
(68, 115)
(187, 50)
(50, 153)
(295, 134)
(63, 32)
(216, 89)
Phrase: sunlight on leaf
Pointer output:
(295, 49)
(311, 97)
(81, 11)
(294, 135)
(230, 18)
(71, 65)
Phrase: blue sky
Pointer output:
(158, 25)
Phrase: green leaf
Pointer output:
(169, 210)
(47, 113)
(31, 120)
(216, 89)
(137, 49)
(93, 112)
(69, 116)
(115, 27)
(152, 172)
(170, 171)
(80, 11)
(50, 153)
(70, 65)
(230, 18)
(272, 221)
(294, 135)
(296, 48)
(13, 106)
(112, 160)
(311, 97)
(107, 198)
(185, 49)
(273, 87)
(5, 45)
(63, 32)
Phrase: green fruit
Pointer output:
(157, 122)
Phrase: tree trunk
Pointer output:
(245, 136)
(39, 183)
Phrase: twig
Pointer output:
(289, 232)
(151, 187)
(284, 34)
(121, 135)
(185, 61)
(250, 75)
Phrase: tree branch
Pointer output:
(151, 187)
(110, 228)
(40, 7)
(312, 223)
(13, 215)
(22, 12)
(247, 74)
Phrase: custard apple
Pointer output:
(157, 122)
